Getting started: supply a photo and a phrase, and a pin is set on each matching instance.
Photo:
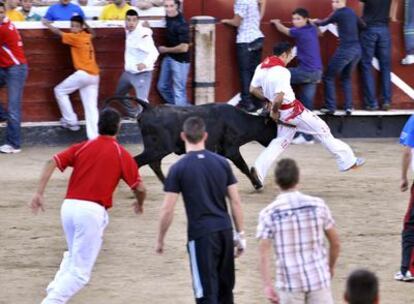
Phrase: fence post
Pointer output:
(204, 59)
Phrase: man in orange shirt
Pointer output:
(85, 79)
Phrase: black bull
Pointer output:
(228, 129)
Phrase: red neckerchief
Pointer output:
(271, 62)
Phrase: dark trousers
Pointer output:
(212, 267)
(407, 262)
(248, 58)
(376, 41)
(343, 63)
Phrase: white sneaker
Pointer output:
(72, 127)
(404, 278)
(301, 140)
(409, 59)
(7, 149)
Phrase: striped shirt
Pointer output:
(249, 29)
(296, 224)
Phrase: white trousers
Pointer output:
(87, 85)
(308, 123)
(323, 296)
(83, 223)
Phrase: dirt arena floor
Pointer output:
(366, 203)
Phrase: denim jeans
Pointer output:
(14, 78)
(308, 81)
(172, 83)
(343, 62)
(409, 27)
(376, 41)
(247, 61)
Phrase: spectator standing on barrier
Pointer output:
(406, 272)
(115, 11)
(205, 179)
(85, 79)
(249, 43)
(362, 288)
(346, 56)
(98, 166)
(175, 66)
(376, 41)
(309, 71)
(63, 11)
(12, 12)
(13, 74)
(409, 32)
(296, 225)
(27, 12)
(140, 57)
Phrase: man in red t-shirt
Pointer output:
(98, 165)
(13, 73)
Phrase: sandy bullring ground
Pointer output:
(366, 203)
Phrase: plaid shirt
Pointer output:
(296, 223)
(249, 29)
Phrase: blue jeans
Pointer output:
(172, 83)
(308, 80)
(376, 41)
(247, 61)
(409, 27)
(14, 78)
(343, 62)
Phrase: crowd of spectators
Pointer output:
(22, 10)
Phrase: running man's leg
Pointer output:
(89, 97)
(88, 221)
(273, 150)
(62, 91)
(310, 123)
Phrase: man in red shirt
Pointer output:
(13, 73)
(98, 165)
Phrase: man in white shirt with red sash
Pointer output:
(271, 82)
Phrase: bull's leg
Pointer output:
(234, 155)
(144, 159)
(156, 167)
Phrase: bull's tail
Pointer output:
(117, 99)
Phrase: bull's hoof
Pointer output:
(257, 184)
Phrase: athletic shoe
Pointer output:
(253, 172)
(408, 277)
(326, 111)
(386, 106)
(7, 149)
(372, 108)
(301, 140)
(358, 163)
(348, 112)
(72, 127)
(409, 59)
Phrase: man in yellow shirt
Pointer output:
(12, 13)
(85, 79)
(115, 11)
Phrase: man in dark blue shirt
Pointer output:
(346, 56)
(376, 40)
(175, 66)
(205, 179)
